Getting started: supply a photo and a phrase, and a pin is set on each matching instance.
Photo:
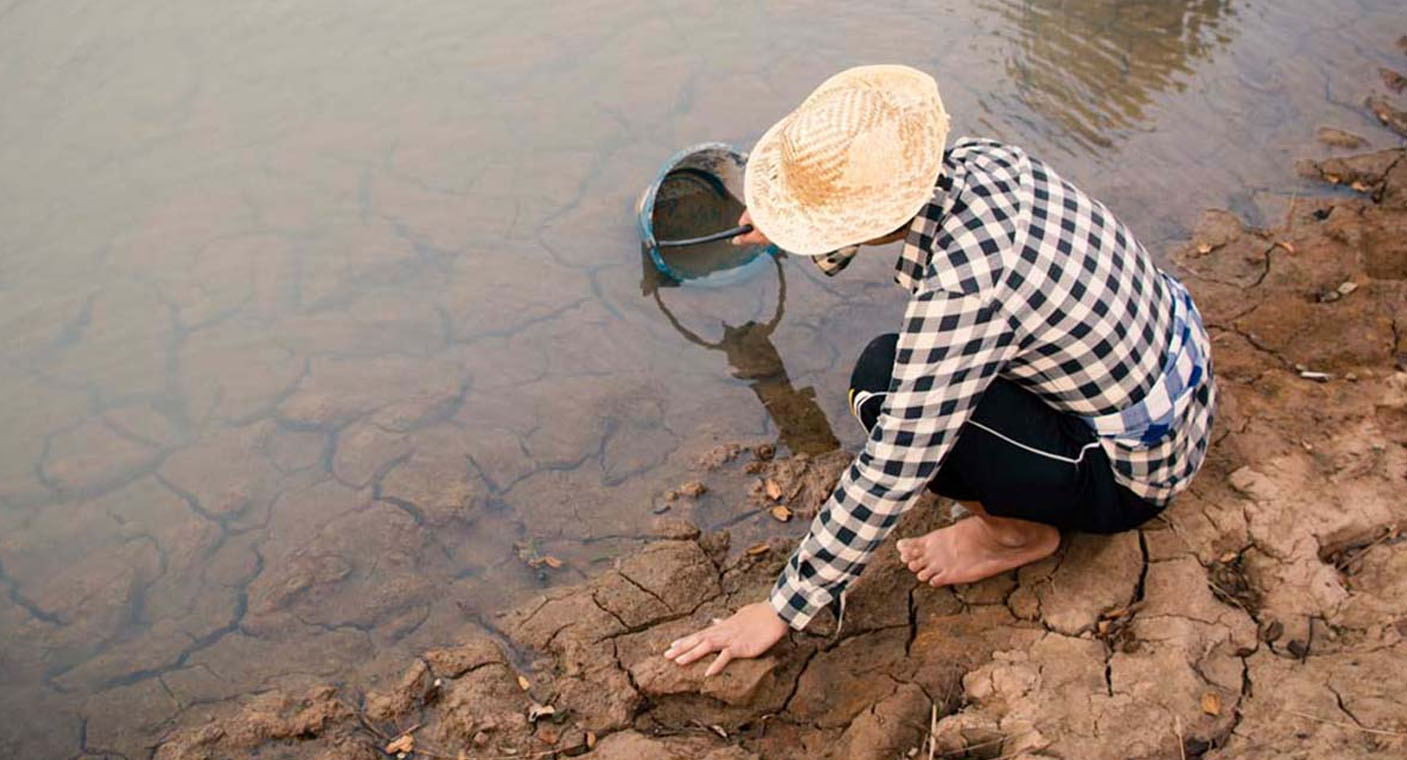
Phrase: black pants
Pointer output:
(1016, 456)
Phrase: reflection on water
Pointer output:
(801, 425)
(310, 311)
(1093, 67)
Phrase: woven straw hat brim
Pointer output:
(855, 161)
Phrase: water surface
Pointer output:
(321, 321)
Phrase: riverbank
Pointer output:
(1264, 615)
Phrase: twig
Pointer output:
(933, 731)
(1181, 742)
(1359, 553)
(1342, 724)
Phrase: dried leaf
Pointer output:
(717, 729)
(1117, 612)
(757, 549)
(1228, 557)
(591, 740)
(523, 682)
(1358, 187)
(1204, 248)
(1287, 246)
(781, 513)
(1211, 703)
(403, 743)
(552, 562)
(1103, 627)
(774, 491)
(537, 712)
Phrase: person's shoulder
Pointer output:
(988, 156)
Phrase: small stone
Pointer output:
(674, 528)
(764, 452)
(1347, 287)
(1338, 138)
(661, 509)
(693, 489)
(1318, 377)
(480, 739)
(1351, 377)
(781, 513)
(524, 683)
(772, 489)
(1211, 703)
(1298, 648)
(753, 468)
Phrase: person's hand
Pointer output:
(750, 238)
(749, 632)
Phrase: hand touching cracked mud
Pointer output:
(748, 632)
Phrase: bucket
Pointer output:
(696, 195)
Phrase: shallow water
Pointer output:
(319, 322)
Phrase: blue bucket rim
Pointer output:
(645, 214)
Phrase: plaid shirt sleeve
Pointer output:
(952, 348)
(955, 340)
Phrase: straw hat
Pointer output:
(856, 160)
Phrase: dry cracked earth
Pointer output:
(1264, 615)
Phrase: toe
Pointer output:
(916, 565)
(925, 574)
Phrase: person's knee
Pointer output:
(871, 377)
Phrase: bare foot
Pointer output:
(972, 549)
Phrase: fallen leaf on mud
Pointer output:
(1211, 703)
(1358, 187)
(1227, 558)
(757, 549)
(524, 683)
(552, 562)
(781, 513)
(537, 712)
(591, 740)
(1204, 248)
(1287, 246)
(774, 491)
(403, 743)
(1117, 612)
(693, 489)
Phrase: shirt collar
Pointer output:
(916, 258)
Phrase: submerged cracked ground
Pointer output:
(323, 350)
(1264, 615)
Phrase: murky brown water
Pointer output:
(317, 319)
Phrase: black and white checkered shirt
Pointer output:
(1014, 273)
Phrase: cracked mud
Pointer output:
(1262, 616)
